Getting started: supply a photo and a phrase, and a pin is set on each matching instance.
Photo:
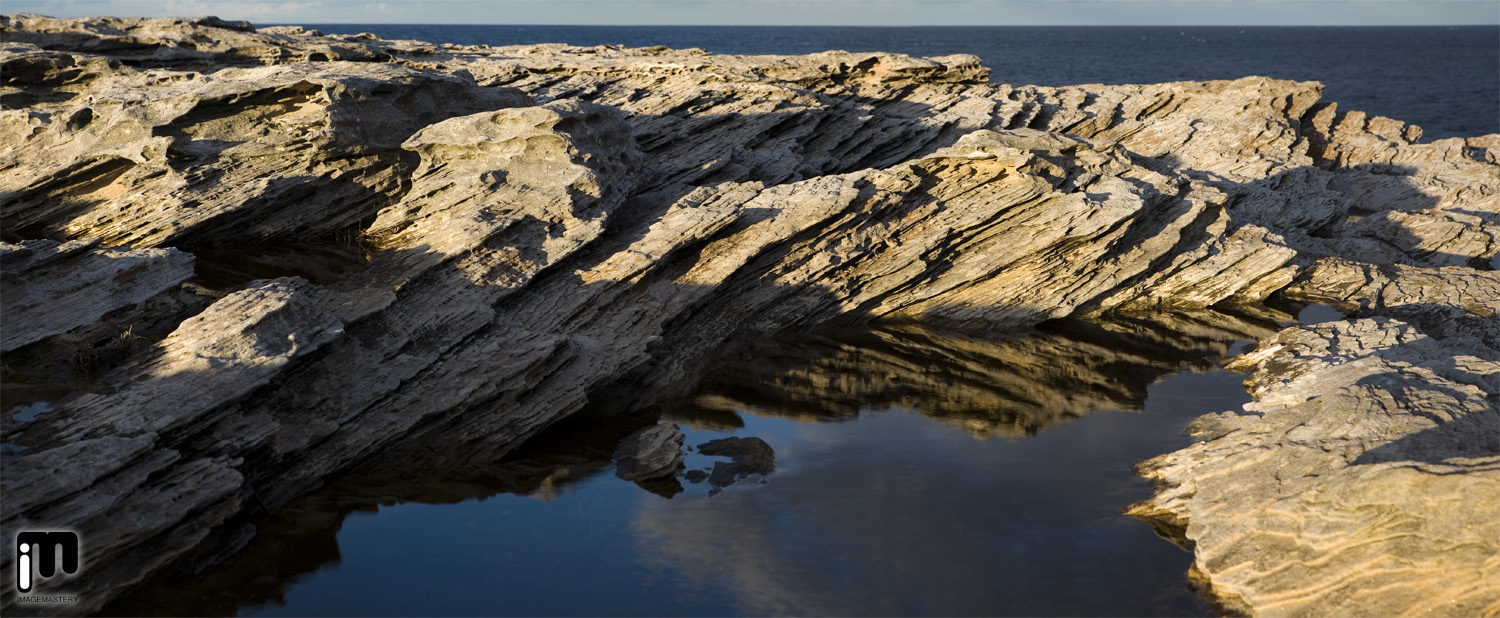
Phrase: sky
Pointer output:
(797, 12)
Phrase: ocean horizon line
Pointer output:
(891, 27)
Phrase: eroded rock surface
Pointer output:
(51, 288)
(1444, 302)
(153, 456)
(549, 227)
(1365, 477)
(1362, 481)
(223, 156)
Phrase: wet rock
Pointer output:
(650, 453)
(747, 456)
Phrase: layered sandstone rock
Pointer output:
(43, 276)
(1362, 481)
(1365, 477)
(542, 228)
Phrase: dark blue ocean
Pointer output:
(1445, 79)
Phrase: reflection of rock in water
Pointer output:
(1011, 383)
(652, 457)
(992, 384)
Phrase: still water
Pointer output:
(919, 471)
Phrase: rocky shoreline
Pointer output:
(429, 253)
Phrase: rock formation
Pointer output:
(40, 275)
(1362, 481)
(266, 557)
(652, 452)
(540, 228)
(747, 456)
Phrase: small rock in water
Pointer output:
(748, 456)
(652, 452)
(724, 474)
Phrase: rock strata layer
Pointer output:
(41, 276)
(549, 227)
(1363, 479)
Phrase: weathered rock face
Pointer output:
(548, 227)
(155, 434)
(222, 156)
(1365, 477)
(40, 276)
(204, 42)
(1362, 481)
(1444, 302)
(1376, 196)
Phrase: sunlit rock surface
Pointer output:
(538, 228)
(1365, 477)
(1362, 481)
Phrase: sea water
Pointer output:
(1445, 79)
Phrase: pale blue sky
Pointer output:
(799, 12)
